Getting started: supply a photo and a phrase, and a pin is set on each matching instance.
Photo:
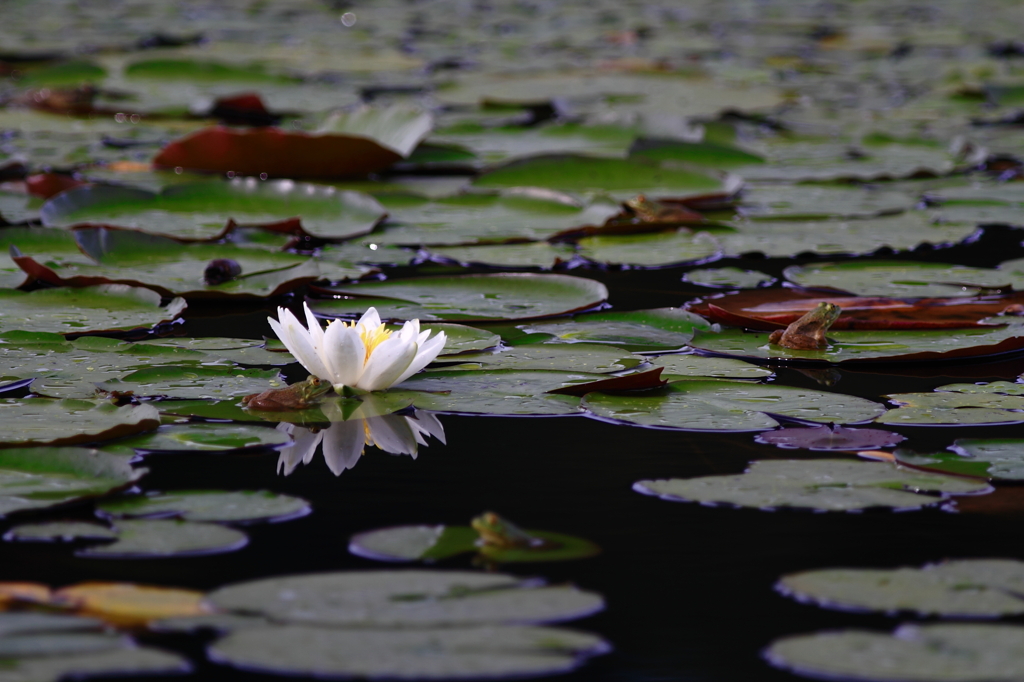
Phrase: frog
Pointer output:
(653, 211)
(500, 533)
(295, 397)
(808, 332)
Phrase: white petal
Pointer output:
(302, 450)
(316, 332)
(427, 422)
(424, 356)
(370, 319)
(386, 364)
(344, 354)
(410, 330)
(343, 444)
(391, 433)
(296, 339)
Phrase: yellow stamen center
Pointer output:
(371, 337)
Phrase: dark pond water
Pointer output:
(689, 588)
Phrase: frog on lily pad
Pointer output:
(808, 332)
(295, 397)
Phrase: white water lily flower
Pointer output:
(362, 355)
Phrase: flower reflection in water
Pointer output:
(345, 440)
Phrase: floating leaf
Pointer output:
(128, 604)
(651, 250)
(731, 278)
(213, 438)
(913, 653)
(830, 438)
(503, 296)
(851, 347)
(802, 202)
(535, 255)
(26, 622)
(451, 653)
(411, 598)
(113, 307)
(375, 143)
(191, 382)
(950, 406)
(123, 661)
(210, 505)
(820, 484)
(899, 279)
(580, 357)
(161, 539)
(39, 421)
(241, 351)
(729, 406)
(705, 153)
(429, 543)
(202, 211)
(689, 365)
(638, 330)
(622, 178)
(60, 531)
(965, 588)
(493, 392)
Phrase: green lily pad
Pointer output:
(210, 505)
(948, 405)
(429, 543)
(831, 162)
(25, 622)
(202, 210)
(40, 421)
(493, 392)
(1002, 458)
(869, 346)
(338, 408)
(502, 296)
(126, 257)
(36, 478)
(690, 365)
(240, 351)
(533, 255)
(802, 202)
(192, 382)
(147, 538)
(126, 660)
(579, 357)
(199, 70)
(219, 622)
(965, 588)
(898, 279)
(638, 330)
(492, 652)
(950, 652)
(200, 438)
(111, 307)
(474, 218)
(728, 278)
(57, 644)
(651, 250)
(820, 484)
(621, 178)
(786, 238)
(729, 406)
(704, 153)
(410, 598)
(63, 531)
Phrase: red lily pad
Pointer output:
(770, 309)
(830, 438)
(277, 153)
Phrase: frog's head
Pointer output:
(827, 313)
(311, 389)
(488, 522)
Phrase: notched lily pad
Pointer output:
(144, 539)
(467, 297)
(956, 404)
(493, 391)
(964, 588)
(209, 505)
(821, 484)
(728, 406)
(213, 438)
(638, 330)
(191, 382)
(409, 598)
(492, 651)
(60, 531)
(951, 652)
(111, 307)
(40, 421)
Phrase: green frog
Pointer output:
(295, 397)
(652, 211)
(808, 332)
(501, 533)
